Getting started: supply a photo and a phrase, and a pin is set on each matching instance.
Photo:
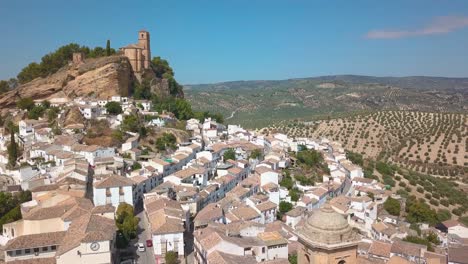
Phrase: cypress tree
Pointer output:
(12, 150)
(108, 48)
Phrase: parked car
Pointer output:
(141, 247)
(149, 243)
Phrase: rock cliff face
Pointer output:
(97, 78)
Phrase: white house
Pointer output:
(113, 189)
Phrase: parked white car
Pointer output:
(141, 247)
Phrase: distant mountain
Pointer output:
(411, 82)
(258, 103)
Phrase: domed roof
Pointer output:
(326, 228)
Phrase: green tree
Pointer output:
(136, 166)
(419, 212)
(419, 240)
(142, 91)
(161, 67)
(166, 141)
(171, 257)
(303, 180)
(392, 206)
(443, 215)
(292, 259)
(183, 109)
(108, 48)
(295, 194)
(256, 154)
(131, 123)
(229, 154)
(284, 207)
(355, 158)
(126, 221)
(4, 87)
(310, 158)
(287, 182)
(113, 108)
(12, 150)
(52, 113)
(26, 103)
(36, 112)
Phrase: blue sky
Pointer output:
(223, 40)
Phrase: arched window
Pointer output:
(342, 262)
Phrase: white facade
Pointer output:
(113, 195)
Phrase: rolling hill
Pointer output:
(260, 103)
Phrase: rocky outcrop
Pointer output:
(97, 78)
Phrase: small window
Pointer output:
(27, 251)
(18, 252)
(36, 250)
(45, 248)
(53, 247)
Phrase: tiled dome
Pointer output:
(326, 228)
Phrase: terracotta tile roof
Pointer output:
(379, 226)
(245, 213)
(185, 173)
(160, 162)
(363, 180)
(320, 192)
(238, 191)
(156, 203)
(458, 254)
(51, 260)
(219, 146)
(218, 257)
(208, 237)
(434, 258)
(270, 187)
(138, 179)
(101, 209)
(398, 260)
(211, 212)
(265, 206)
(364, 246)
(224, 179)
(235, 170)
(407, 248)
(67, 210)
(113, 180)
(45, 188)
(161, 223)
(88, 228)
(297, 211)
(380, 249)
(35, 240)
(263, 169)
(451, 223)
(180, 156)
(272, 238)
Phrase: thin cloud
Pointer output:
(440, 25)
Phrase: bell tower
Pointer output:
(144, 43)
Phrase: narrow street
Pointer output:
(146, 257)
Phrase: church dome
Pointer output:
(326, 228)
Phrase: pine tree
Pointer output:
(108, 48)
(12, 150)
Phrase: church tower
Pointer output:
(327, 238)
(144, 43)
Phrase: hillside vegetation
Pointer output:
(259, 103)
(433, 143)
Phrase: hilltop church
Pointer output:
(139, 54)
